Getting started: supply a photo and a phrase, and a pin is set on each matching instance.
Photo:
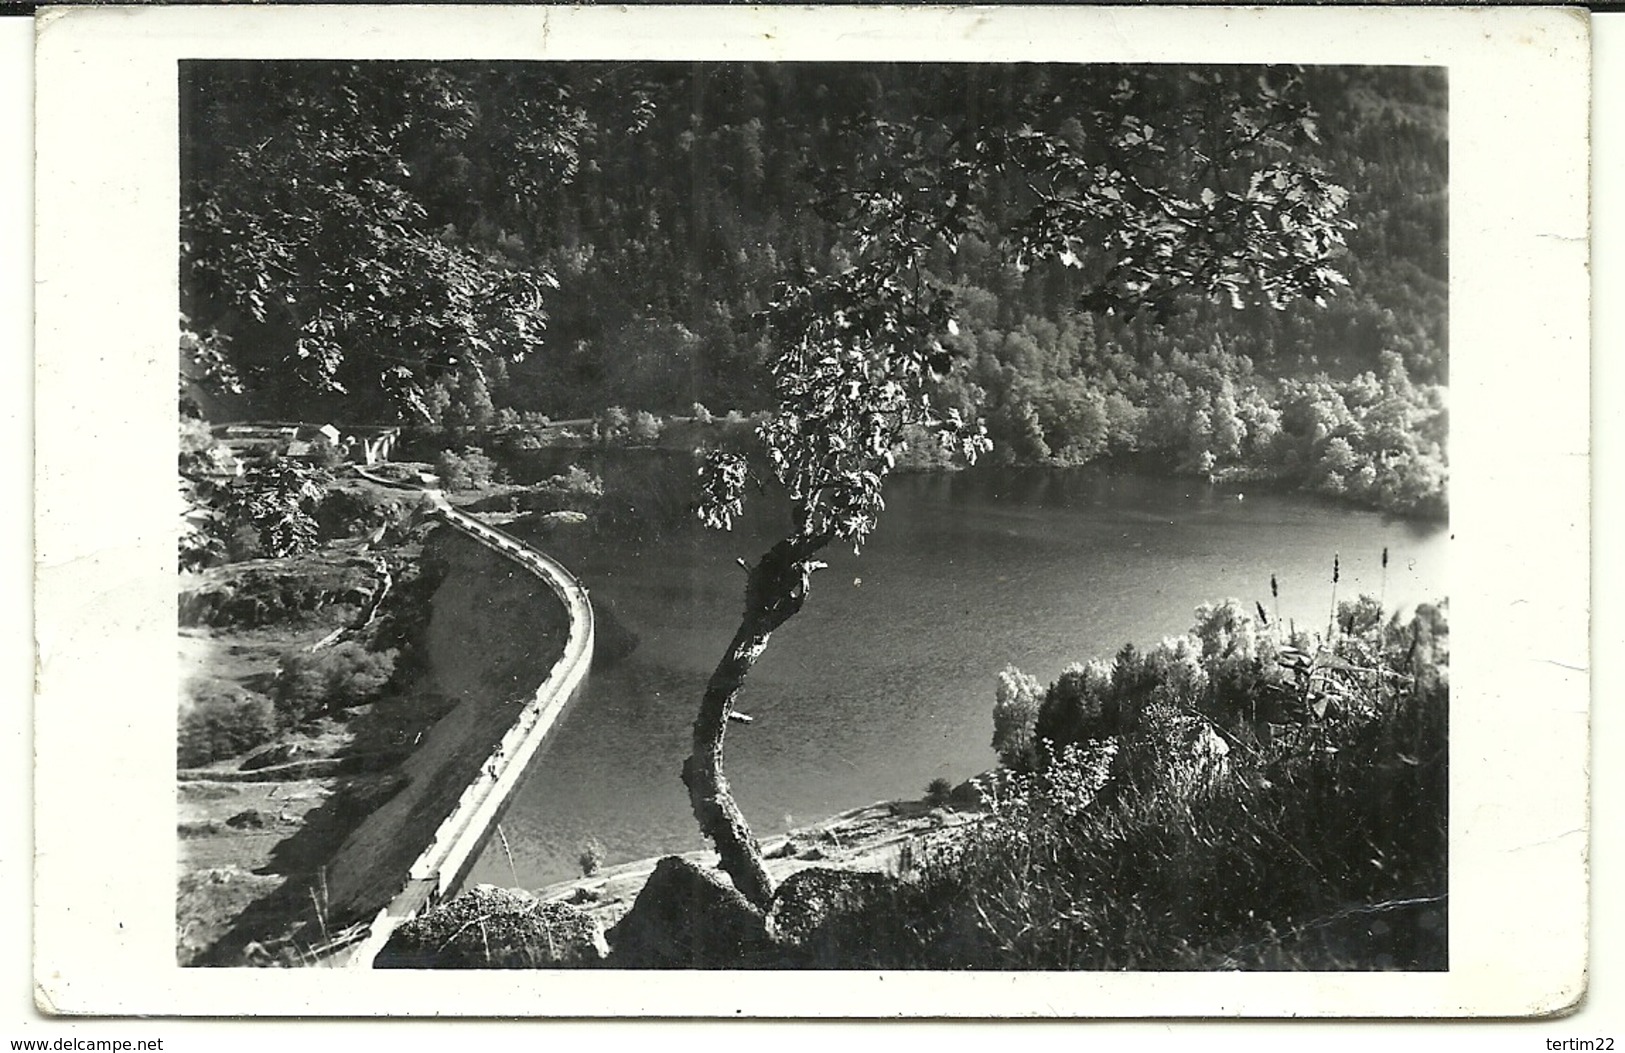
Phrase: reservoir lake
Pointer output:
(886, 678)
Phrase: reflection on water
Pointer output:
(885, 680)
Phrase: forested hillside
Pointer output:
(387, 240)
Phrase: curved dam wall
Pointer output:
(463, 833)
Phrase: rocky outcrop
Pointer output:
(687, 917)
(976, 791)
(1203, 757)
(555, 520)
(808, 906)
(269, 755)
(494, 928)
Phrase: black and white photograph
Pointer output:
(969, 466)
(865, 514)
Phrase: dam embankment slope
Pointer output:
(509, 656)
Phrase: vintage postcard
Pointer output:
(951, 512)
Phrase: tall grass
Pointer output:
(1317, 841)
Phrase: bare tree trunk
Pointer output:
(774, 592)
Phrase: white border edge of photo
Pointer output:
(106, 291)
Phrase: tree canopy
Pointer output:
(360, 228)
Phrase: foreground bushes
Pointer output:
(222, 720)
(1244, 674)
(1229, 800)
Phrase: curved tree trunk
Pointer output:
(774, 592)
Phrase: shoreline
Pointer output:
(882, 837)
(687, 433)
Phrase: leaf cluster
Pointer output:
(1212, 201)
(277, 500)
(858, 355)
(356, 214)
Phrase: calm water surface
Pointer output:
(886, 679)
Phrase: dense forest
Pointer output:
(459, 245)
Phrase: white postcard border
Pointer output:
(105, 323)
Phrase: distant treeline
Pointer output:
(665, 201)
